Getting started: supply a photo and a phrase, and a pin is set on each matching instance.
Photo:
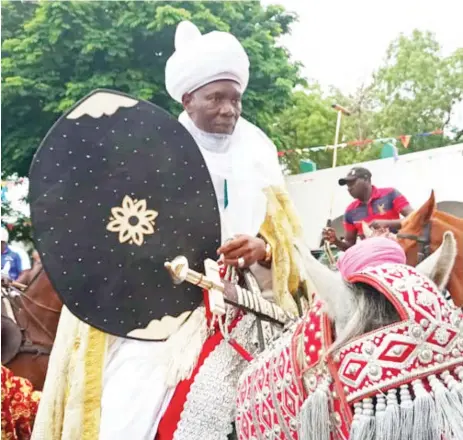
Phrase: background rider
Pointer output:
(378, 207)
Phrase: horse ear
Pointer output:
(367, 231)
(329, 285)
(428, 208)
(438, 266)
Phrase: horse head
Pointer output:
(415, 231)
(358, 308)
(379, 335)
(422, 232)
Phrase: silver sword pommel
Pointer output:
(180, 272)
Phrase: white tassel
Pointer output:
(392, 417)
(184, 347)
(459, 372)
(406, 413)
(315, 415)
(425, 420)
(452, 384)
(355, 420)
(379, 416)
(366, 428)
(449, 410)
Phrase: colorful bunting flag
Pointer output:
(405, 139)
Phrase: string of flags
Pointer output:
(404, 139)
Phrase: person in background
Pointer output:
(380, 208)
(25, 259)
(11, 261)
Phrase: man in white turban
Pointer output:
(185, 388)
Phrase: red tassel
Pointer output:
(206, 305)
(240, 350)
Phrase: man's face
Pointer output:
(215, 107)
(358, 187)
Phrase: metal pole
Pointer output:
(336, 138)
(340, 111)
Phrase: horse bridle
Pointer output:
(28, 346)
(424, 241)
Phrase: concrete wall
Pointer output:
(318, 196)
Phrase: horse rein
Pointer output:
(424, 241)
(23, 295)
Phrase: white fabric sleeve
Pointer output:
(135, 395)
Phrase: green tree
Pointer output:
(66, 49)
(310, 121)
(417, 88)
(414, 91)
(307, 121)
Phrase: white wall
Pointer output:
(415, 175)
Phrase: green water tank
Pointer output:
(307, 166)
(388, 150)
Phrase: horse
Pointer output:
(28, 335)
(377, 356)
(422, 232)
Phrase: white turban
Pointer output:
(201, 59)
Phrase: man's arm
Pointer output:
(406, 211)
(349, 240)
(402, 206)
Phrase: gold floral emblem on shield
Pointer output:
(132, 221)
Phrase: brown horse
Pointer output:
(422, 233)
(36, 311)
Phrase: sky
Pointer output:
(342, 42)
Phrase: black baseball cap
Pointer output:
(355, 173)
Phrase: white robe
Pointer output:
(135, 394)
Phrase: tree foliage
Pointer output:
(414, 91)
(54, 53)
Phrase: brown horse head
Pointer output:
(422, 233)
(414, 226)
(39, 309)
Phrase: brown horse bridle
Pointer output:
(424, 241)
(28, 346)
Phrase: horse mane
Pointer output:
(451, 220)
(372, 310)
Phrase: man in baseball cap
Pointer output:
(355, 173)
(377, 207)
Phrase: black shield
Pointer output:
(117, 187)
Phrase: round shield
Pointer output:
(117, 188)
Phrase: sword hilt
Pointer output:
(180, 272)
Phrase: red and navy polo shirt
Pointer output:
(384, 204)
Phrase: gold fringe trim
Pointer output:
(94, 364)
(280, 228)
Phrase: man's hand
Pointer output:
(329, 234)
(379, 224)
(5, 281)
(251, 249)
